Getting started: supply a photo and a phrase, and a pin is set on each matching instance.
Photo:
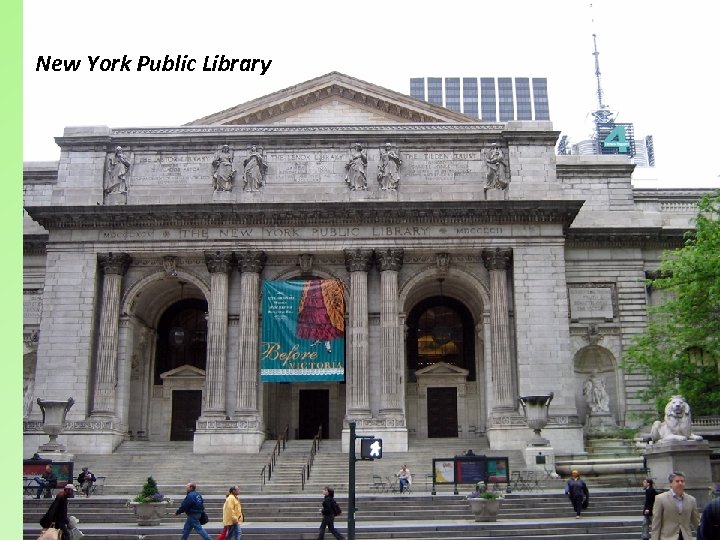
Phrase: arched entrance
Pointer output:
(441, 361)
(164, 336)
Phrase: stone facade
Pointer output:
(545, 274)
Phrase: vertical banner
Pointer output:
(303, 331)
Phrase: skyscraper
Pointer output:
(493, 100)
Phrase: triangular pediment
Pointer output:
(183, 372)
(442, 368)
(333, 99)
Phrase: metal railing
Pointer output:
(305, 474)
(267, 470)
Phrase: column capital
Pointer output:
(251, 261)
(218, 261)
(115, 263)
(358, 260)
(497, 259)
(389, 259)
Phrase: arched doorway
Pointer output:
(441, 347)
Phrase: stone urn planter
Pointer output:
(149, 513)
(484, 509)
(150, 505)
(53, 422)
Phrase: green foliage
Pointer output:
(149, 492)
(679, 351)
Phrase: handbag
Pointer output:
(50, 534)
(204, 518)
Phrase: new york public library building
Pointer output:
(328, 253)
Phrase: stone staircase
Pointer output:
(612, 515)
(279, 509)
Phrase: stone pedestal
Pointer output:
(57, 456)
(541, 458)
(237, 436)
(601, 423)
(692, 458)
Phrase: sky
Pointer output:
(657, 60)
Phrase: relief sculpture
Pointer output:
(356, 168)
(117, 167)
(389, 169)
(498, 172)
(223, 169)
(254, 169)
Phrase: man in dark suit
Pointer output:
(674, 512)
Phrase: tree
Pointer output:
(679, 351)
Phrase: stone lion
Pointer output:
(678, 423)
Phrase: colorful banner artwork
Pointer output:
(303, 331)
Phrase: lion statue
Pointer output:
(678, 423)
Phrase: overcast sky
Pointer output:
(658, 62)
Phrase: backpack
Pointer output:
(336, 508)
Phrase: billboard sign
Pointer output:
(303, 331)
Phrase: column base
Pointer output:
(220, 436)
(392, 431)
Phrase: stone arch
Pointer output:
(598, 359)
(167, 293)
(459, 284)
(472, 291)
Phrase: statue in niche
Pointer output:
(595, 394)
(389, 169)
(223, 169)
(117, 167)
(498, 176)
(254, 169)
(356, 168)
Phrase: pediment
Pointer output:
(442, 368)
(183, 372)
(333, 99)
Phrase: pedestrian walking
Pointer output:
(710, 522)
(57, 515)
(578, 492)
(232, 516)
(329, 510)
(193, 506)
(650, 493)
(675, 512)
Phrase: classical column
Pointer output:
(251, 264)
(219, 264)
(114, 266)
(358, 263)
(392, 398)
(497, 261)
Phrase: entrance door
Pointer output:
(314, 411)
(186, 409)
(442, 412)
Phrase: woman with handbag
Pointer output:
(232, 516)
(56, 518)
(578, 493)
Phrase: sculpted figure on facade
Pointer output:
(389, 169)
(498, 172)
(117, 167)
(596, 394)
(223, 169)
(357, 168)
(254, 169)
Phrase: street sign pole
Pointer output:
(351, 485)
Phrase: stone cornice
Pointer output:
(34, 244)
(625, 237)
(288, 214)
(594, 170)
